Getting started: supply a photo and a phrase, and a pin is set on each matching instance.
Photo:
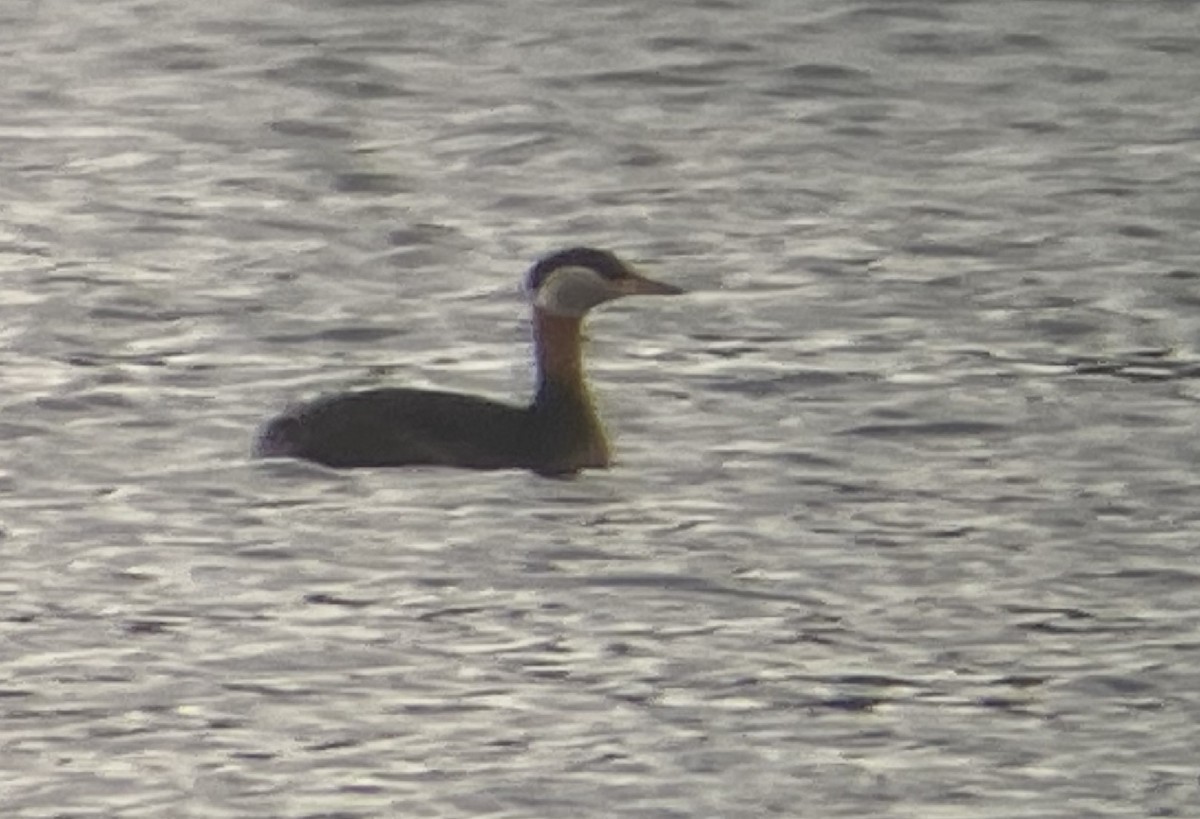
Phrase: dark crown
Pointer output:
(601, 261)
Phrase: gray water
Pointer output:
(905, 506)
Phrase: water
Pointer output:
(905, 506)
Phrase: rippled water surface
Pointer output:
(906, 504)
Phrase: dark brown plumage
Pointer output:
(557, 433)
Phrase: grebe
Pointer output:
(558, 433)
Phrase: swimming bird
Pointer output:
(558, 433)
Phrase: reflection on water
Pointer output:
(903, 510)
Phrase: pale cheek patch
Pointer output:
(572, 291)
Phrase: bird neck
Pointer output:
(559, 350)
(564, 417)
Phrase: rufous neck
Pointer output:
(559, 349)
(566, 425)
